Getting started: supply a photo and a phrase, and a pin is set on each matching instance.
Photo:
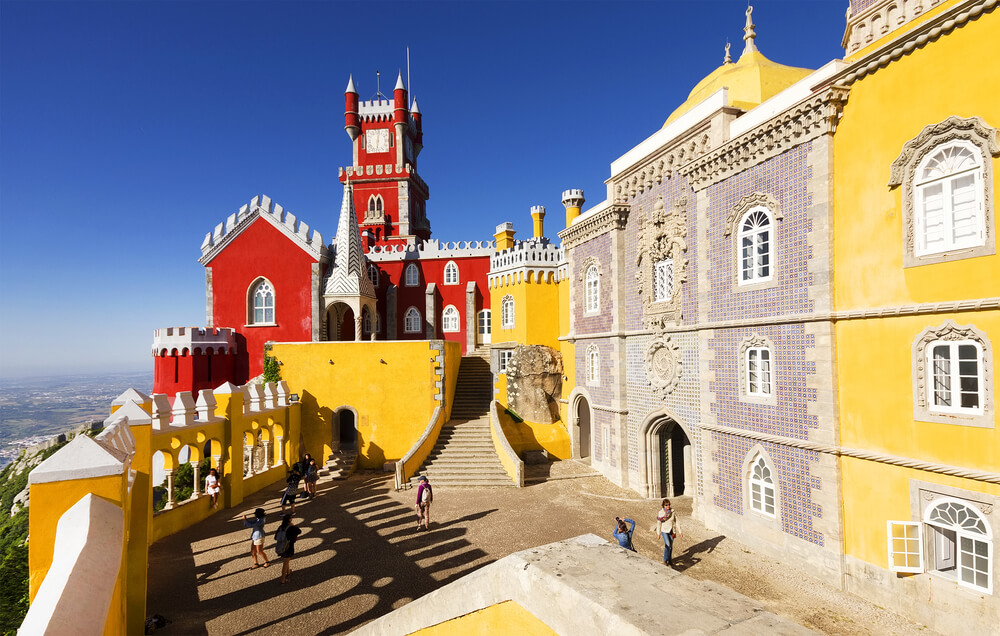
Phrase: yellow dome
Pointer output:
(751, 80)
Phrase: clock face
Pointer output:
(378, 140)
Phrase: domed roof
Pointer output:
(751, 80)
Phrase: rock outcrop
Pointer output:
(534, 383)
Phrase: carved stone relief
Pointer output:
(663, 365)
(661, 236)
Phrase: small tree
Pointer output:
(272, 371)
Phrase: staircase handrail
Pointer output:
(414, 458)
(512, 464)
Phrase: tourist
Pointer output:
(256, 537)
(291, 490)
(668, 527)
(284, 545)
(311, 476)
(623, 533)
(425, 496)
(212, 486)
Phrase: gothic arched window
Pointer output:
(507, 312)
(756, 246)
(261, 303)
(412, 276)
(592, 290)
(451, 273)
(450, 319)
(411, 320)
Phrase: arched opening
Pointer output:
(668, 459)
(581, 422)
(340, 325)
(347, 432)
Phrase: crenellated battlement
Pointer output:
(381, 170)
(263, 206)
(430, 249)
(533, 260)
(194, 339)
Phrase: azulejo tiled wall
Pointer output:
(599, 248)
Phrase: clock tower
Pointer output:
(389, 196)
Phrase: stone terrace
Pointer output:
(360, 557)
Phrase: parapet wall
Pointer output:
(193, 338)
(429, 250)
(264, 206)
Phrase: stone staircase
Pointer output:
(464, 454)
(339, 464)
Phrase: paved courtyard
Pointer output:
(360, 556)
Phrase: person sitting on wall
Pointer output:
(213, 487)
(288, 498)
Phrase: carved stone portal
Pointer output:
(660, 237)
(663, 365)
(534, 383)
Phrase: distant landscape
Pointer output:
(34, 409)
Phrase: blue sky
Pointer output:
(130, 129)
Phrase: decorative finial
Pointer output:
(749, 33)
(727, 60)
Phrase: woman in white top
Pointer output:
(212, 486)
(668, 526)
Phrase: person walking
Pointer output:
(668, 527)
(291, 490)
(284, 545)
(256, 526)
(623, 532)
(425, 496)
(213, 487)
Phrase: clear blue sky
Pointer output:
(130, 129)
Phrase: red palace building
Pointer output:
(269, 277)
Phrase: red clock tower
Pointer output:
(389, 196)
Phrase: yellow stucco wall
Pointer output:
(508, 617)
(868, 230)
(875, 366)
(929, 12)
(391, 386)
(536, 313)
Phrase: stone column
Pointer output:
(357, 327)
(267, 454)
(280, 444)
(217, 464)
(170, 489)
(248, 460)
(197, 479)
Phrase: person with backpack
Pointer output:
(623, 533)
(291, 490)
(284, 545)
(256, 537)
(425, 495)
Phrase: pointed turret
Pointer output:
(349, 258)
(400, 110)
(352, 123)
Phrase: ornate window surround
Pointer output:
(660, 236)
(756, 340)
(903, 172)
(949, 330)
(593, 365)
(591, 278)
(507, 316)
(759, 453)
(743, 207)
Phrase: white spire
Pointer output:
(415, 108)
(749, 34)
(349, 256)
(350, 86)
(399, 82)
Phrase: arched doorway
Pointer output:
(669, 462)
(340, 325)
(582, 420)
(347, 432)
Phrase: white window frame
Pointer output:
(503, 358)
(411, 275)
(592, 290)
(451, 319)
(451, 273)
(252, 297)
(905, 543)
(663, 280)
(484, 325)
(964, 534)
(954, 377)
(749, 272)
(376, 205)
(411, 320)
(507, 312)
(764, 486)
(760, 365)
(947, 183)
(951, 334)
(593, 365)
(373, 274)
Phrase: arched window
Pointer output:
(375, 205)
(449, 319)
(948, 199)
(373, 273)
(507, 312)
(758, 371)
(756, 246)
(451, 273)
(593, 290)
(261, 303)
(366, 322)
(412, 276)
(593, 365)
(961, 544)
(663, 280)
(411, 321)
(761, 487)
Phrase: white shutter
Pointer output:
(906, 540)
